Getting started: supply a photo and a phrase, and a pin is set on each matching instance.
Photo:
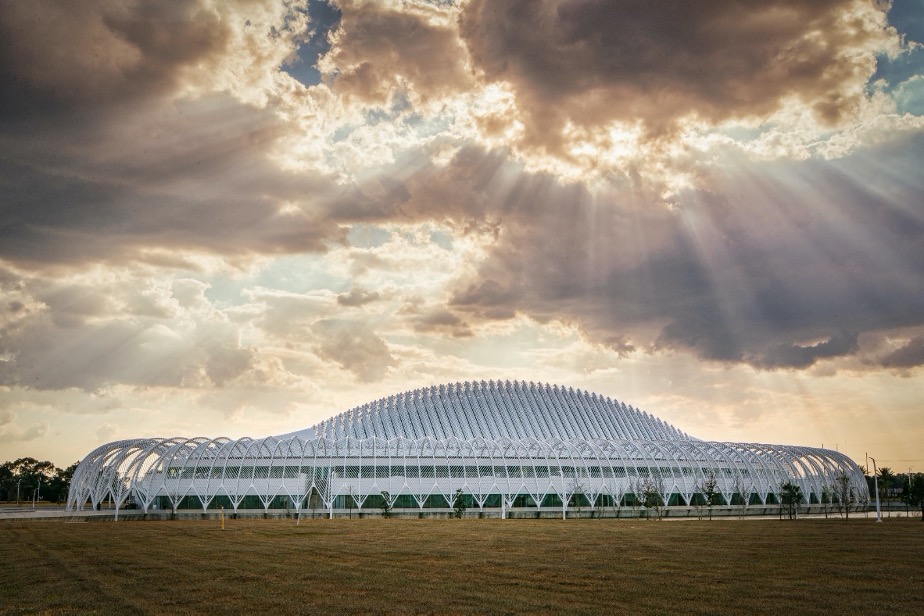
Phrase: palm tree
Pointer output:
(886, 479)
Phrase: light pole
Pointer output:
(18, 483)
(908, 502)
(564, 497)
(876, 487)
(330, 483)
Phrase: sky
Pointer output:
(239, 218)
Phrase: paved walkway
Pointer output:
(51, 513)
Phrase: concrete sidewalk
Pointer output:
(54, 513)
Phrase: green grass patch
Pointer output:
(462, 566)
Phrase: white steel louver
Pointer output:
(497, 409)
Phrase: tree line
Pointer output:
(28, 480)
(906, 487)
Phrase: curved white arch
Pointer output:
(486, 438)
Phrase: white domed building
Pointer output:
(500, 447)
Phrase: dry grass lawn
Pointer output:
(463, 566)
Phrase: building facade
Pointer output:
(494, 446)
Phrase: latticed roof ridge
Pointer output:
(498, 409)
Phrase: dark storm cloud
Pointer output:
(783, 265)
(154, 177)
(796, 356)
(591, 61)
(102, 160)
(908, 356)
(55, 56)
(778, 265)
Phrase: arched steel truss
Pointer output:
(497, 409)
(294, 468)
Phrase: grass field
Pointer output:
(463, 566)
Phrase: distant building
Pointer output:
(508, 446)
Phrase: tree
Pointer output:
(886, 479)
(709, 488)
(60, 483)
(827, 495)
(386, 504)
(458, 504)
(576, 499)
(615, 496)
(599, 506)
(744, 495)
(35, 478)
(843, 491)
(653, 494)
(7, 482)
(913, 495)
(635, 497)
(791, 496)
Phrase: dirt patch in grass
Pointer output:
(462, 566)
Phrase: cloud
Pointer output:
(195, 150)
(381, 49)
(155, 178)
(106, 432)
(355, 347)
(439, 320)
(151, 131)
(619, 344)
(908, 356)
(289, 316)
(10, 432)
(60, 55)
(591, 62)
(799, 356)
(745, 274)
(79, 336)
(61, 59)
(94, 356)
(357, 297)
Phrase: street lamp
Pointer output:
(18, 483)
(876, 487)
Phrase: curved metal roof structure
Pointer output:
(495, 409)
(502, 444)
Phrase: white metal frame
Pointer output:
(494, 438)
